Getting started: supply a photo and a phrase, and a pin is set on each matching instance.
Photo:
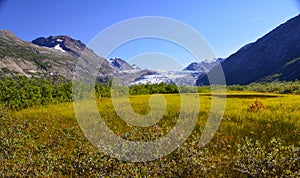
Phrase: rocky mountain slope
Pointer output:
(275, 56)
(45, 57)
(203, 66)
(120, 64)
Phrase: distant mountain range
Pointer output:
(203, 66)
(56, 56)
(274, 57)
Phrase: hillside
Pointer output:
(120, 64)
(203, 66)
(48, 57)
(274, 57)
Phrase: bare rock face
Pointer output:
(275, 56)
(63, 43)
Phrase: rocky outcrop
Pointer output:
(63, 42)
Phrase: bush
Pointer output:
(272, 159)
(256, 106)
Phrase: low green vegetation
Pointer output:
(259, 136)
(272, 87)
(23, 92)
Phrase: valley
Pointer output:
(61, 103)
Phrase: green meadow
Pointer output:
(258, 136)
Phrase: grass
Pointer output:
(47, 141)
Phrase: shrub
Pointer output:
(256, 106)
(272, 159)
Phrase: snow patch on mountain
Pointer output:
(58, 47)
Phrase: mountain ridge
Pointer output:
(267, 59)
(203, 66)
(66, 43)
(273, 57)
(22, 58)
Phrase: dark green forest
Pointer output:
(23, 92)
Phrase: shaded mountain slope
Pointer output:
(273, 57)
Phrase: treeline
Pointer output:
(152, 89)
(164, 88)
(23, 92)
(272, 87)
(291, 87)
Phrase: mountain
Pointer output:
(58, 55)
(135, 67)
(274, 57)
(203, 66)
(120, 64)
(126, 74)
(62, 43)
(45, 57)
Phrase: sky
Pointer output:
(225, 25)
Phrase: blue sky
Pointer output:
(226, 25)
